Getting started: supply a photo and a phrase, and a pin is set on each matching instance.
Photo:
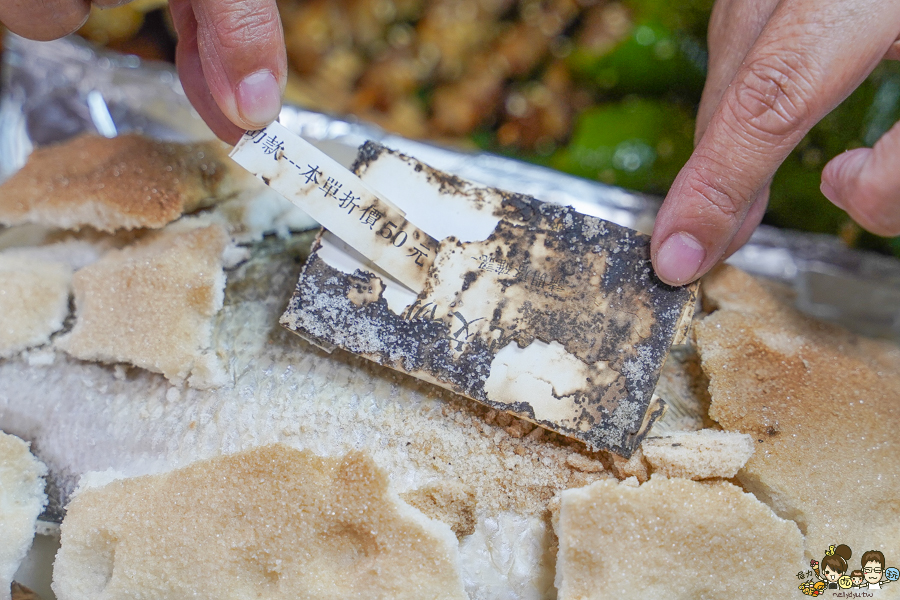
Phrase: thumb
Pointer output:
(865, 182)
(808, 58)
(241, 49)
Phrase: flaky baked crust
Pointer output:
(272, 522)
(821, 404)
(125, 182)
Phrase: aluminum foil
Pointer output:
(54, 90)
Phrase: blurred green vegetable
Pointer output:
(637, 143)
(646, 81)
(687, 16)
(644, 64)
(651, 60)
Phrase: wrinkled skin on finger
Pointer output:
(231, 60)
(776, 68)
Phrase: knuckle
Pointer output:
(238, 23)
(774, 97)
(718, 204)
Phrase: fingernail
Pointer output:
(679, 258)
(830, 193)
(259, 98)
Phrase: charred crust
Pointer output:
(448, 184)
(320, 307)
(518, 208)
(364, 288)
(469, 279)
(419, 342)
(606, 308)
(366, 155)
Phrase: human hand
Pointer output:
(232, 62)
(230, 56)
(775, 69)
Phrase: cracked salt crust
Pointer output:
(34, 301)
(329, 403)
(821, 405)
(673, 538)
(272, 522)
(346, 403)
(151, 304)
(283, 390)
(21, 500)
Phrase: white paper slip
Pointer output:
(340, 201)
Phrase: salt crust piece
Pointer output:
(631, 467)
(448, 501)
(285, 390)
(273, 522)
(125, 182)
(822, 405)
(151, 304)
(34, 301)
(703, 454)
(675, 539)
(21, 500)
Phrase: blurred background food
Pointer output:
(603, 89)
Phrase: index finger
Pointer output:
(809, 57)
